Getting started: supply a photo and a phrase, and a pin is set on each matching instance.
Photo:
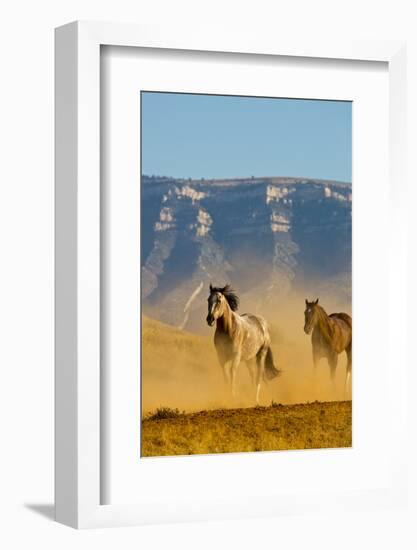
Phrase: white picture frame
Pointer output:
(77, 422)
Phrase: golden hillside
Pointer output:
(274, 428)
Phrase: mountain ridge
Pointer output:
(266, 235)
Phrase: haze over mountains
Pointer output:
(268, 236)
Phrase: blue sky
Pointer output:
(186, 135)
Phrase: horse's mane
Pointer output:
(230, 295)
(326, 322)
(325, 326)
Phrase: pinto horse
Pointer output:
(239, 338)
(330, 336)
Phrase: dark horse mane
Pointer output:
(229, 294)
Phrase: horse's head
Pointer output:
(310, 315)
(215, 303)
(219, 300)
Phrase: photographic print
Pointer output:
(246, 264)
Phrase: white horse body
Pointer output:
(240, 338)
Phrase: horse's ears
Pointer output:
(316, 302)
(211, 288)
(306, 302)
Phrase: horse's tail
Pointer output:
(271, 371)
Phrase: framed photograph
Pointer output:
(224, 207)
(278, 239)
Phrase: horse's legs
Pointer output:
(221, 356)
(347, 379)
(348, 367)
(260, 362)
(226, 373)
(332, 360)
(317, 354)
(251, 368)
(316, 358)
(233, 370)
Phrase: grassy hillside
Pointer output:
(157, 337)
(278, 427)
(179, 369)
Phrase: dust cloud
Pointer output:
(180, 368)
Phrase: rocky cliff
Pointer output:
(267, 236)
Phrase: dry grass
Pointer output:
(181, 370)
(181, 375)
(278, 427)
(172, 338)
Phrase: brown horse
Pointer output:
(239, 338)
(331, 335)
